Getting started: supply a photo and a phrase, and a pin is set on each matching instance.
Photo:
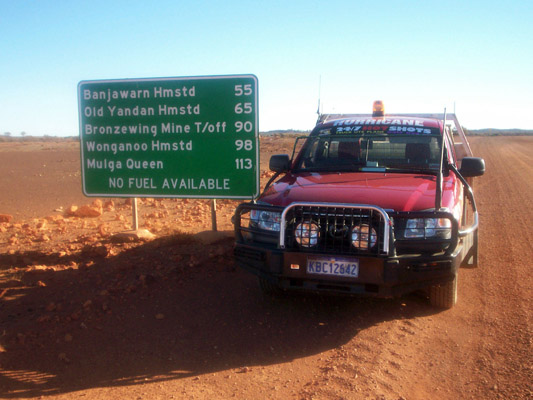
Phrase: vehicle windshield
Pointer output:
(370, 152)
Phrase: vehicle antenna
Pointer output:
(438, 191)
(319, 89)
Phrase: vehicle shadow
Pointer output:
(169, 309)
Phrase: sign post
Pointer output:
(194, 137)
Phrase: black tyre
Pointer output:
(444, 295)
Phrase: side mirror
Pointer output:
(472, 166)
(280, 163)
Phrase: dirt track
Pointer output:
(172, 318)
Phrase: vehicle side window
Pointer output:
(314, 153)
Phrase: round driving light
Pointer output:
(364, 237)
(307, 234)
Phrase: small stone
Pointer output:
(89, 212)
(71, 211)
(42, 225)
(5, 218)
(55, 218)
(44, 318)
(109, 205)
(133, 236)
(101, 250)
(42, 238)
(97, 203)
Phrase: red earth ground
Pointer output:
(84, 317)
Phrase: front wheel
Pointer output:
(444, 295)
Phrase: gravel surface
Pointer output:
(84, 316)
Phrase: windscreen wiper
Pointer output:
(332, 168)
(415, 170)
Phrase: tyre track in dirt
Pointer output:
(482, 347)
(503, 285)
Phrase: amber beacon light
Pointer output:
(378, 109)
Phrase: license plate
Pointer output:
(333, 266)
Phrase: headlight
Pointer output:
(307, 234)
(364, 237)
(428, 228)
(267, 220)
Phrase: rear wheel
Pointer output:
(444, 295)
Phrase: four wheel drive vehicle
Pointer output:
(376, 205)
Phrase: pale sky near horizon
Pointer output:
(416, 56)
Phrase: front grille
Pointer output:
(338, 229)
(242, 252)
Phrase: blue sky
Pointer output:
(417, 56)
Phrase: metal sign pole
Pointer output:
(135, 219)
(214, 214)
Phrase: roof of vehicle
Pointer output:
(430, 121)
(331, 120)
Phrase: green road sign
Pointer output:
(172, 137)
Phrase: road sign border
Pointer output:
(180, 78)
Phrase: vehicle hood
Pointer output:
(390, 191)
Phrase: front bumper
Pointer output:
(388, 267)
(378, 276)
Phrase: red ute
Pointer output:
(370, 205)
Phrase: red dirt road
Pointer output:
(81, 316)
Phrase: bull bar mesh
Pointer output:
(336, 228)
